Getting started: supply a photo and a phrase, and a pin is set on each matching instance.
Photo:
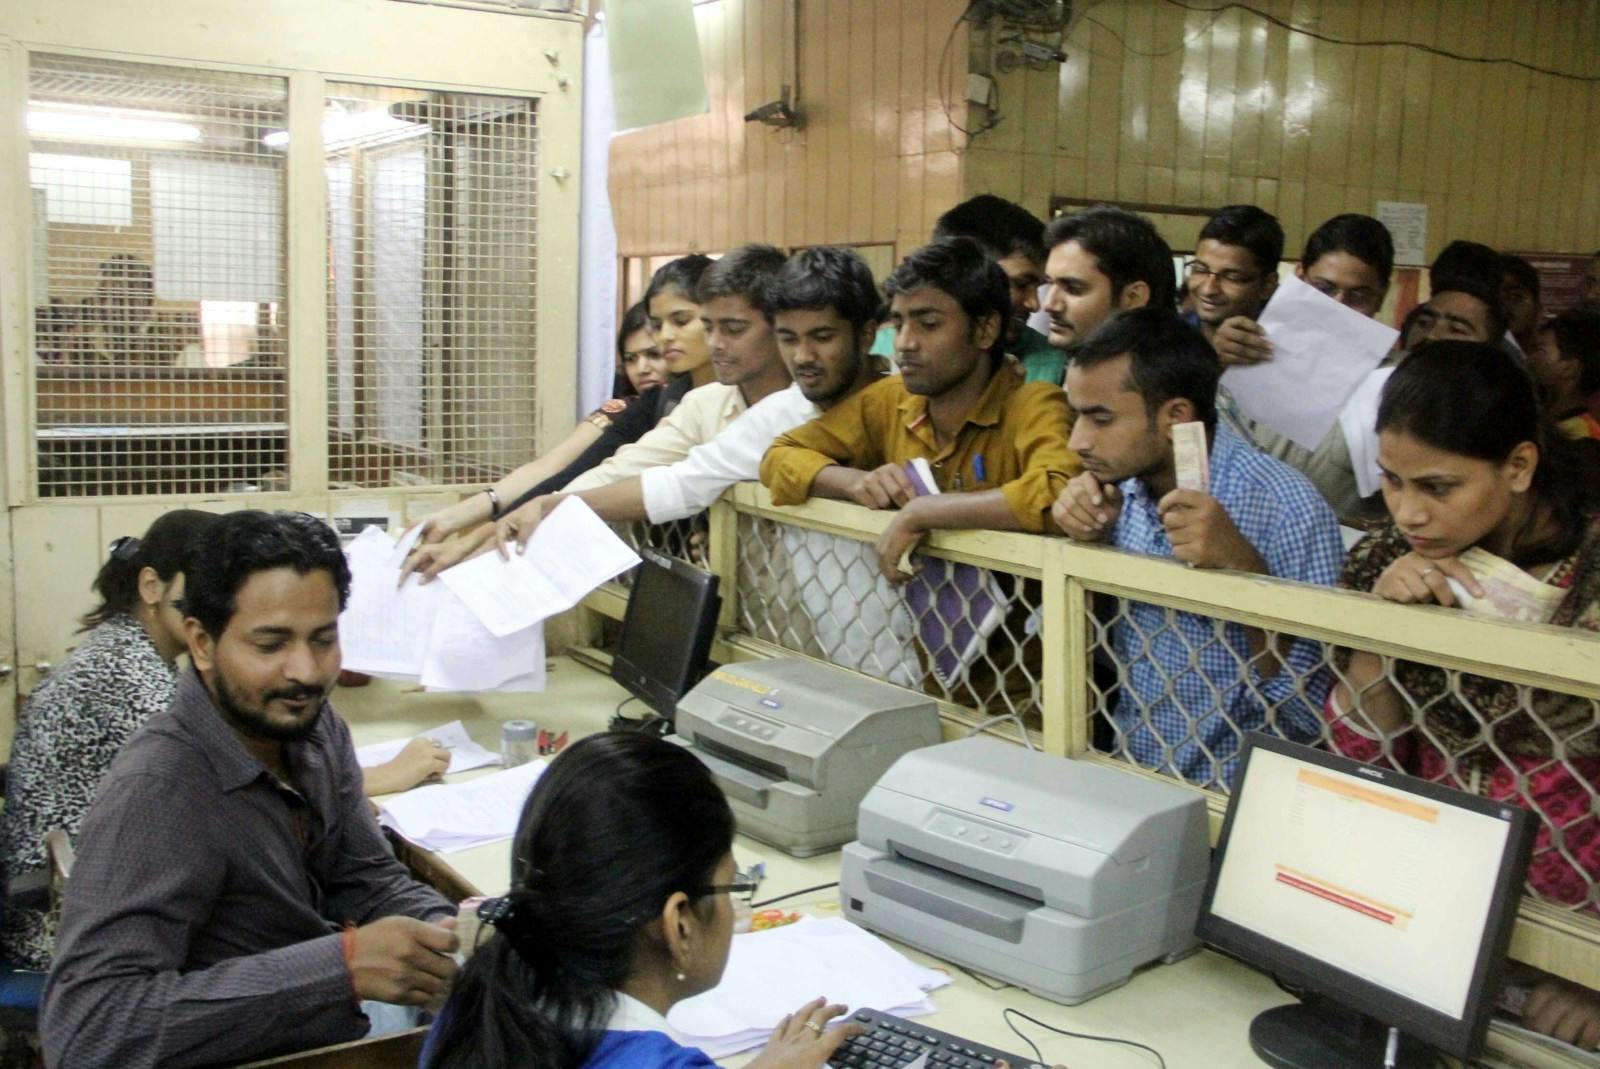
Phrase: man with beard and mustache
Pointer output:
(232, 896)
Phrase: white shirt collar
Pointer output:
(631, 1015)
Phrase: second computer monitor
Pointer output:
(666, 631)
(1388, 895)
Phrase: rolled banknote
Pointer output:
(1190, 456)
(1509, 593)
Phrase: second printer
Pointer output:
(796, 744)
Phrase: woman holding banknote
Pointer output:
(1470, 469)
(620, 906)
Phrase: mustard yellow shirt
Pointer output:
(1014, 440)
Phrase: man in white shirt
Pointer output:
(820, 310)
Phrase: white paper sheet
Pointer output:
(1321, 351)
(456, 816)
(774, 972)
(1358, 422)
(464, 753)
(463, 654)
(571, 552)
(384, 628)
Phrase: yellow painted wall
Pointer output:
(875, 162)
(1161, 104)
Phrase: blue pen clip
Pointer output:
(977, 469)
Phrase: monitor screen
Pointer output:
(1390, 895)
(666, 631)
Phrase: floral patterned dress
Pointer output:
(76, 722)
(1501, 740)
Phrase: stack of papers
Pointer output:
(481, 628)
(458, 816)
(464, 753)
(771, 974)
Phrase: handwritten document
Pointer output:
(464, 753)
(1321, 351)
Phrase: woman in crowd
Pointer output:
(619, 908)
(1469, 461)
(451, 535)
(119, 676)
(640, 365)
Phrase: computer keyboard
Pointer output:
(893, 1042)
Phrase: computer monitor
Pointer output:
(1389, 898)
(666, 631)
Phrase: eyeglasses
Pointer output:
(1196, 269)
(744, 885)
(1358, 297)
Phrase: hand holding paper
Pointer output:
(1321, 351)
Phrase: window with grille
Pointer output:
(432, 262)
(158, 235)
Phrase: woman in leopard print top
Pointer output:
(79, 717)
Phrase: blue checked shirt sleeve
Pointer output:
(1303, 545)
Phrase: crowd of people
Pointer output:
(233, 897)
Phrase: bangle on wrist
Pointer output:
(494, 503)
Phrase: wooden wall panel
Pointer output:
(877, 161)
(1166, 104)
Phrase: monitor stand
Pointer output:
(1320, 1034)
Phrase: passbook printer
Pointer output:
(1056, 875)
(796, 744)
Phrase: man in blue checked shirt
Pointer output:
(1192, 686)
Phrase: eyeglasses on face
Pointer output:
(1357, 297)
(743, 886)
(1199, 271)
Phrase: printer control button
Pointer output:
(983, 836)
(961, 829)
(1004, 844)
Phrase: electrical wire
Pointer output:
(622, 703)
(1008, 1011)
(793, 894)
(944, 84)
(1285, 24)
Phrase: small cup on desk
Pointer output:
(519, 742)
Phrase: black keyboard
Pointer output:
(893, 1042)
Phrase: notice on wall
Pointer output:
(1408, 225)
(1561, 278)
(646, 88)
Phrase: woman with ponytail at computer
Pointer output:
(1470, 461)
(619, 908)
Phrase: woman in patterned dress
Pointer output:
(1469, 461)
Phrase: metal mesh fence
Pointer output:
(963, 634)
(1175, 692)
(432, 238)
(158, 278)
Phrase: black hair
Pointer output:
(747, 272)
(1127, 248)
(682, 275)
(1361, 236)
(1475, 400)
(1001, 227)
(1521, 272)
(1167, 359)
(959, 267)
(618, 824)
(167, 547)
(240, 544)
(1577, 332)
(1495, 315)
(1248, 227)
(826, 276)
(635, 319)
(1465, 259)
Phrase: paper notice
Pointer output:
(1509, 592)
(1191, 457)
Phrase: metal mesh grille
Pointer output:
(966, 635)
(432, 234)
(1175, 692)
(158, 278)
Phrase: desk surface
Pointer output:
(1196, 1012)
